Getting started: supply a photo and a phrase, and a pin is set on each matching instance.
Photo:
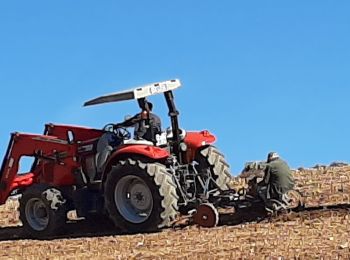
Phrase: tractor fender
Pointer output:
(147, 151)
(196, 141)
(22, 181)
(152, 152)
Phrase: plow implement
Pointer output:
(318, 189)
(239, 207)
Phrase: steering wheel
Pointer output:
(120, 132)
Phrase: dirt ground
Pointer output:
(312, 234)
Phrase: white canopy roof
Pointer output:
(137, 93)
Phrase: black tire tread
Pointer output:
(220, 168)
(164, 183)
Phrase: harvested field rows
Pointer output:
(307, 234)
(322, 186)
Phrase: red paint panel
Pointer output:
(196, 140)
(145, 150)
(80, 133)
(22, 181)
(56, 162)
(199, 139)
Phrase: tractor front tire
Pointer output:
(42, 211)
(210, 158)
(140, 197)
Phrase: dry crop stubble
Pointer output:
(308, 234)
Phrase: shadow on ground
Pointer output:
(84, 229)
(77, 229)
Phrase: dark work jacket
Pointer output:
(143, 129)
(278, 177)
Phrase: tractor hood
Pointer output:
(137, 93)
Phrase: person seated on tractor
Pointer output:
(278, 180)
(146, 124)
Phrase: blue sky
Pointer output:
(261, 75)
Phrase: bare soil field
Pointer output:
(313, 233)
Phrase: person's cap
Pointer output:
(272, 156)
(150, 105)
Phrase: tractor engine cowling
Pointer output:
(196, 140)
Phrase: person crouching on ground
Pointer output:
(278, 180)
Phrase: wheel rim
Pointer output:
(37, 214)
(133, 199)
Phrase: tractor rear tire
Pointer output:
(211, 158)
(140, 197)
(42, 211)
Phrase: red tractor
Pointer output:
(141, 185)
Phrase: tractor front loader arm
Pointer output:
(48, 150)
